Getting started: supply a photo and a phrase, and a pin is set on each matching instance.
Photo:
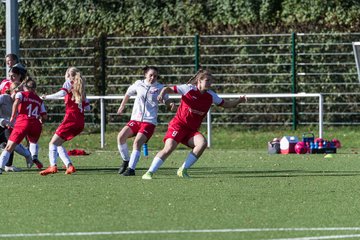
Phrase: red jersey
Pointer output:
(194, 105)
(74, 119)
(27, 122)
(70, 106)
(5, 85)
(31, 106)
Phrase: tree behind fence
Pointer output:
(321, 63)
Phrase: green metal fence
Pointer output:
(248, 64)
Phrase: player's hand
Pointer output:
(173, 107)
(43, 97)
(11, 123)
(242, 99)
(160, 98)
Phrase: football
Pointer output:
(301, 148)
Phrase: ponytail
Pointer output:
(78, 88)
(198, 76)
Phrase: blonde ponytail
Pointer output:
(78, 88)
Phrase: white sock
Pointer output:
(4, 158)
(23, 151)
(124, 151)
(189, 161)
(156, 163)
(134, 159)
(63, 155)
(34, 150)
(53, 154)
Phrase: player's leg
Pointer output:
(5, 155)
(139, 140)
(145, 132)
(159, 159)
(125, 133)
(34, 150)
(53, 154)
(198, 144)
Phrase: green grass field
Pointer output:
(237, 191)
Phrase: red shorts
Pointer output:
(180, 133)
(30, 129)
(142, 127)
(69, 128)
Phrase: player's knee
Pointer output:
(203, 144)
(122, 137)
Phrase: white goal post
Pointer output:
(225, 96)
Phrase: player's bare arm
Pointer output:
(165, 90)
(122, 105)
(14, 110)
(234, 103)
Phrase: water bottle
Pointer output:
(145, 150)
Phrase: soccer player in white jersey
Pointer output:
(196, 101)
(143, 118)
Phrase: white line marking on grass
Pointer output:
(64, 234)
(320, 237)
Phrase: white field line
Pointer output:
(64, 234)
(320, 237)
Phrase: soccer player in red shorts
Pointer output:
(29, 111)
(74, 120)
(143, 118)
(196, 101)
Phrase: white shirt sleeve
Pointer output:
(216, 99)
(19, 96)
(131, 91)
(56, 95)
(184, 88)
(43, 109)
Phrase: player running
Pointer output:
(143, 118)
(29, 111)
(196, 101)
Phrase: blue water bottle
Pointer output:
(145, 150)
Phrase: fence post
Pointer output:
(293, 79)
(100, 71)
(197, 66)
(102, 50)
(197, 54)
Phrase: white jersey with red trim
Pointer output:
(146, 103)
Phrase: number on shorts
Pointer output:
(174, 133)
